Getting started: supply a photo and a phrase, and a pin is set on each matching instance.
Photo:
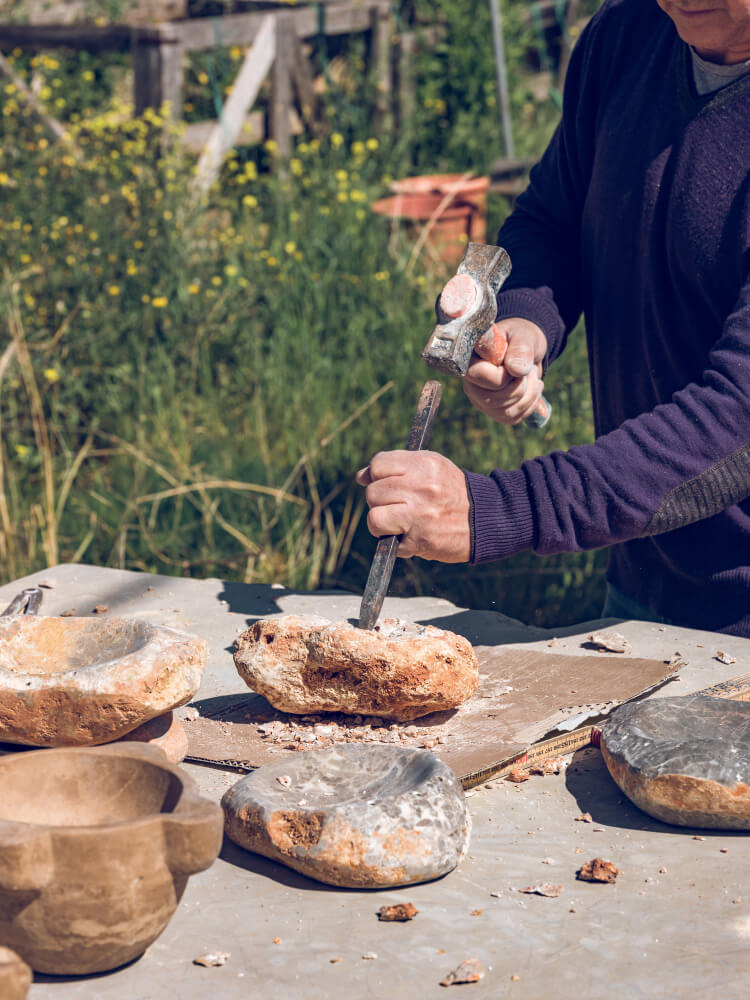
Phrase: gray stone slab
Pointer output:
(683, 932)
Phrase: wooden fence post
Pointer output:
(281, 89)
(157, 68)
(382, 28)
(407, 84)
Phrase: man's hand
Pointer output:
(509, 392)
(421, 496)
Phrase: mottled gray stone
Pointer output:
(683, 760)
(363, 816)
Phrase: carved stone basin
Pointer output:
(83, 681)
(96, 846)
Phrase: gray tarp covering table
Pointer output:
(675, 924)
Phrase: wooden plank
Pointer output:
(53, 126)
(281, 95)
(382, 29)
(303, 80)
(157, 71)
(241, 29)
(43, 12)
(197, 134)
(252, 73)
(113, 38)
(407, 84)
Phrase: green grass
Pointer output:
(188, 388)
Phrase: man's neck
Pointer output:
(728, 58)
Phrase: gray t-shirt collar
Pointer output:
(709, 76)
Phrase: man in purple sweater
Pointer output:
(637, 216)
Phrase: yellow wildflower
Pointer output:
(230, 270)
(358, 148)
(341, 176)
(342, 196)
(382, 275)
(372, 144)
(25, 258)
(250, 201)
(336, 139)
(52, 375)
(159, 301)
(194, 288)
(290, 247)
(270, 146)
(22, 450)
(271, 261)
(114, 290)
(216, 280)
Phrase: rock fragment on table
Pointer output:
(398, 670)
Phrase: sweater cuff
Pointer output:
(536, 307)
(502, 521)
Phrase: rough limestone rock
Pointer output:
(15, 976)
(83, 681)
(398, 670)
(683, 760)
(165, 732)
(358, 816)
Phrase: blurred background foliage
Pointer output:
(187, 387)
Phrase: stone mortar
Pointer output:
(357, 816)
(683, 760)
(96, 847)
(84, 681)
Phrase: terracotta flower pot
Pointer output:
(450, 231)
(471, 191)
(96, 847)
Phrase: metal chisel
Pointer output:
(385, 554)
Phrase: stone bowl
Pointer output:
(357, 816)
(683, 760)
(84, 681)
(96, 847)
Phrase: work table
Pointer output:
(676, 923)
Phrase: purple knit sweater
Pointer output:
(639, 215)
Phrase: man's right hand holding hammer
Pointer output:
(422, 496)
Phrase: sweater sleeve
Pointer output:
(542, 234)
(638, 480)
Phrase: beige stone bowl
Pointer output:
(96, 847)
(84, 681)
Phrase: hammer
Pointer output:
(466, 313)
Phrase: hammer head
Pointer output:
(467, 307)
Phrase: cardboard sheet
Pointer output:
(523, 695)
